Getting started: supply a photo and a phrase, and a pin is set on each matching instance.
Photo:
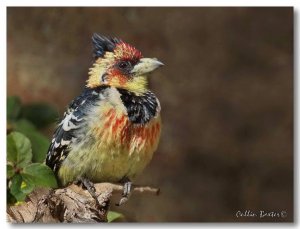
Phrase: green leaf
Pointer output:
(13, 107)
(39, 142)
(15, 188)
(9, 197)
(112, 216)
(12, 150)
(40, 114)
(18, 149)
(39, 175)
(27, 187)
(9, 171)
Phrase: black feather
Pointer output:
(103, 44)
(140, 109)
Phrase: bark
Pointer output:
(70, 205)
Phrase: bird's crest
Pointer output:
(121, 49)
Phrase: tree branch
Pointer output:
(71, 204)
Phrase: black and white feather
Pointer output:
(69, 130)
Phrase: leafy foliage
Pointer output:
(26, 149)
(23, 175)
(113, 216)
(18, 149)
(39, 142)
(36, 173)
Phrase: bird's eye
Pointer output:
(124, 64)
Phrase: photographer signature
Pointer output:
(261, 214)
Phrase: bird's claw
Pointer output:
(122, 201)
(86, 183)
(126, 192)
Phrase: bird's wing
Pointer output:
(73, 120)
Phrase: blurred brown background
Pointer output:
(226, 93)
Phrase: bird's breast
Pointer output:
(115, 130)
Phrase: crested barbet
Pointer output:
(110, 132)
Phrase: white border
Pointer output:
(5, 3)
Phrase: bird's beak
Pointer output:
(146, 65)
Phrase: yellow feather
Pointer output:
(99, 68)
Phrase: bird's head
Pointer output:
(119, 65)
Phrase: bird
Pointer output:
(110, 132)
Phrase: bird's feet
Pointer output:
(87, 184)
(126, 191)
